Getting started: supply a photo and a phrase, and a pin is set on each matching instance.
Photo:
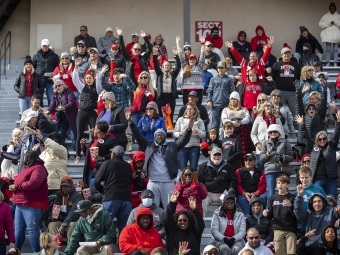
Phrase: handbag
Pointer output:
(286, 169)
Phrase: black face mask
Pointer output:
(305, 51)
(214, 35)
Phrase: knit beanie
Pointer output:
(160, 130)
(109, 96)
(152, 105)
(187, 45)
(234, 95)
(275, 127)
(332, 4)
(286, 48)
(28, 60)
(303, 28)
(214, 30)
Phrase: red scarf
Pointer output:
(28, 84)
(192, 185)
(137, 99)
(269, 120)
(112, 67)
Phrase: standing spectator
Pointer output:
(159, 41)
(117, 177)
(218, 176)
(44, 63)
(190, 187)
(139, 180)
(191, 151)
(308, 84)
(284, 73)
(242, 46)
(251, 183)
(161, 169)
(6, 224)
(307, 37)
(228, 227)
(280, 210)
(271, 59)
(30, 196)
(215, 38)
(134, 39)
(255, 244)
(27, 84)
(211, 58)
(330, 34)
(231, 146)
(259, 39)
(84, 36)
(219, 91)
(81, 52)
(104, 43)
(92, 62)
(183, 226)
(192, 72)
(308, 58)
(113, 60)
(151, 121)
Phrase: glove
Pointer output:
(229, 241)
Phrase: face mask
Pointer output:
(147, 202)
(305, 51)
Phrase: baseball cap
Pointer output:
(45, 42)
(135, 34)
(209, 248)
(83, 205)
(30, 115)
(192, 93)
(192, 56)
(95, 49)
(81, 42)
(250, 155)
(208, 43)
(216, 150)
(109, 29)
(221, 64)
(117, 150)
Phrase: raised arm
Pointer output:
(148, 50)
(126, 54)
(75, 76)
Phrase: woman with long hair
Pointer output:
(89, 90)
(160, 59)
(27, 84)
(191, 152)
(308, 84)
(261, 100)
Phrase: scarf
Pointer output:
(137, 99)
(269, 120)
(192, 185)
(28, 83)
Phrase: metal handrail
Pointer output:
(4, 48)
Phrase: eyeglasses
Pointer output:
(272, 132)
(58, 85)
(211, 253)
(82, 30)
(187, 175)
(136, 49)
(253, 237)
(276, 95)
(80, 46)
(149, 109)
(229, 202)
(217, 154)
(183, 220)
(144, 77)
(311, 109)
(210, 45)
(248, 160)
(322, 139)
(261, 100)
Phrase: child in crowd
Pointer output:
(231, 146)
(280, 209)
(212, 141)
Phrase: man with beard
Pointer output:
(218, 176)
(211, 58)
(254, 243)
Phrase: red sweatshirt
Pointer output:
(258, 40)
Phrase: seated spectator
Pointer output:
(280, 210)
(259, 39)
(183, 226)
(113, 60)
(218, 176)
(246, 252)
(191, 152)
(159, 41)
(84, 36)
(151, 121)
(231, 146)
(318, 216)
(64, 106)
(308, 84)
(6, 224)
(242, 46)
(66, 201)
(37, 121)
(134, 39)
(228, 227)
(215, 38)
(115, 117)
(210, 249)
(93, 60)
(81, 52)
(307, 58)
(256, 220)
(160, 251)
(55, 157)
(327, 245)
(251, 183)
(27, 84)
(211, 58)
(104, 43)
(307, 37)
(139, 180)
(255, 243)
(189, 187)
(231, 71)
(240, 118)
(212, 141)
(160, 170)
(94, 225)
(97, 150)
(73, 51)
(158, 213)
(116, 176)
(49, 244)
(140, 237)
(8, 167)
(30, 197)
(193, 98)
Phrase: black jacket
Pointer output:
(119, 122)
(314, 43)
(119, 60)
(160, 76)
(244, 50)
(232, 150)
(117, 177)
(285, 81)
(20, 85)
(214, 59)
(308, 59)
(45, 62)
(217, 179)
(44, 125)
(84, 57)
(89, 41)
(203, 114)
(88, 98)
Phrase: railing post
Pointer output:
(5, 58)
(10, 49)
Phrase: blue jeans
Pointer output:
(91, 175)
(120, 209)
(329, 185)
(271, 184)
(27, 218)
(216, 117)
(259, 163)
(245, 206)
(189, 153)
(49, 92)
(328, 52)
(24, 103)
(63, 127)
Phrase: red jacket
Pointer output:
(217, 42)
(258, 66)
(66, 76)
(31, 185)
(6, 223)
(261, 187)
(133, 237)
(258, 40)
(161, 60)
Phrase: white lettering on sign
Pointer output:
(202, 28)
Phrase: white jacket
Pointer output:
(330, 33)
(8, 169)
(261, 250)
(195, 139)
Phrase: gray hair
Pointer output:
(59, 81)
(275, 92)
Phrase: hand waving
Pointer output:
(78, 62)
(174, 196)
(174, 51)
(183, 247)
(202, 39)
(142, 33)
(271, 40)
(228, 44)
(119, 31)
(298, 119)
(299, 190)
(192, 203)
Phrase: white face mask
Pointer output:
(147, 202)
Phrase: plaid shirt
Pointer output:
(122, 91)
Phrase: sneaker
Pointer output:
(77, 159)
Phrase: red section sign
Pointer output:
(202, 28)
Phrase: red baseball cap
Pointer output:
(114, 47)
(192, 56)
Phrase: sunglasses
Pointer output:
(64, 58)
(187, 175)
(276, 95)
(311, 109)
(306, 161)
(57, 86)
(210, 45)
(261, 100)
(248, 160)
(217, 154)
(144, 77)
(136, 49)
(322, 139)
(82, 30)
(229, 202)
(253, 237)
(272, 132)
(184, 220)
(149, 109)
(80, 46)
(211, 253)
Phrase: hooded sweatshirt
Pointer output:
(308, 58)
(312, 219)
(216, 41)
(134, 237)
(259, 40)
(242, 46)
